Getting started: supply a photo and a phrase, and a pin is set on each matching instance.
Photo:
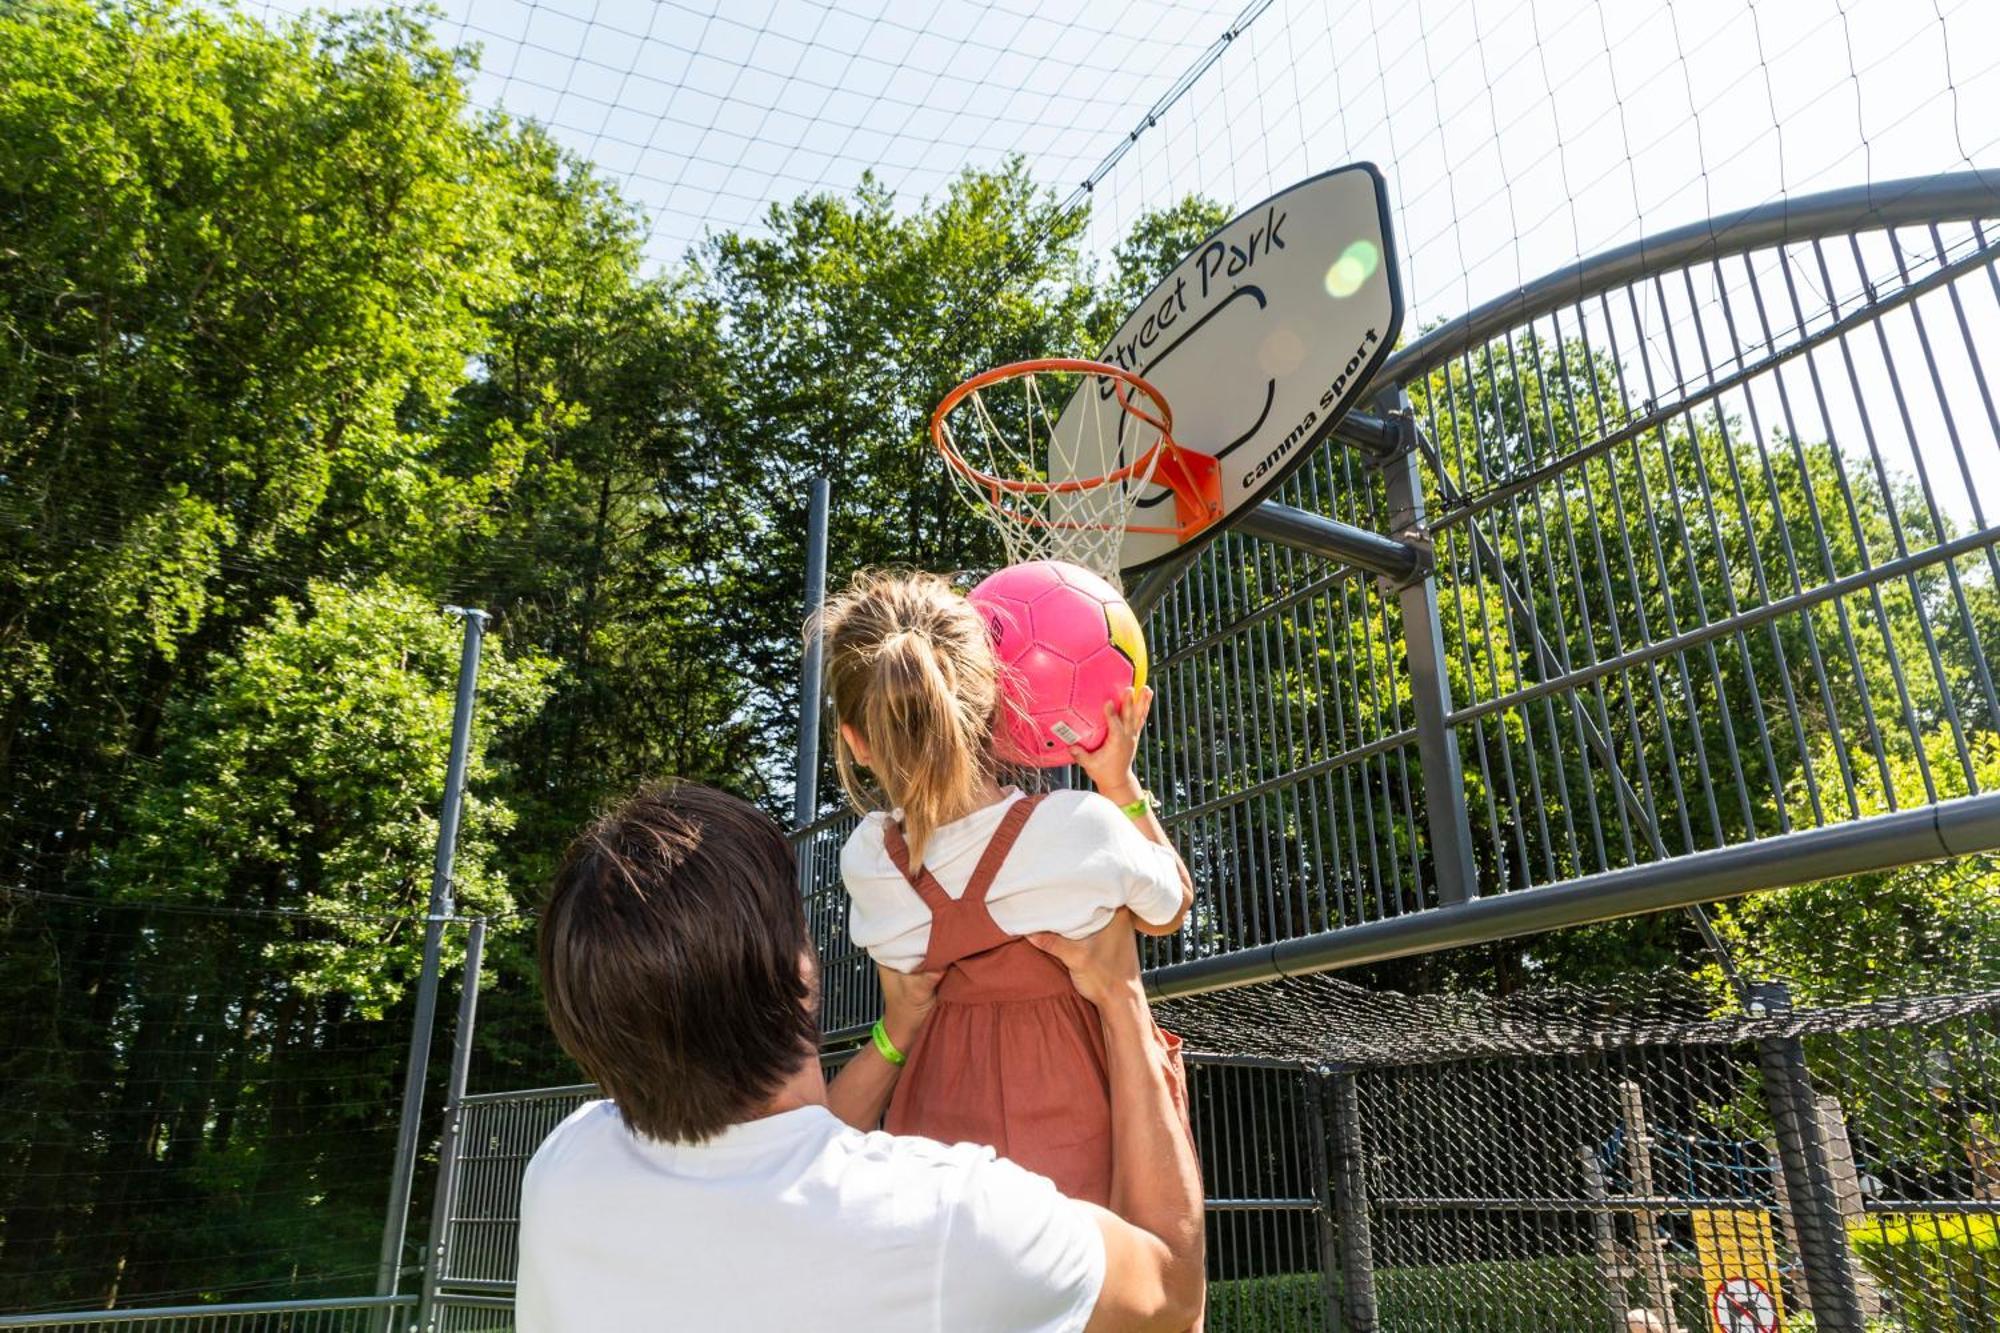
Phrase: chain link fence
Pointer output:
(1652, 1153)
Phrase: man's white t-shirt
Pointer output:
(794, 1222)
(1079, 859)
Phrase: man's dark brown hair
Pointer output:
(670, 955)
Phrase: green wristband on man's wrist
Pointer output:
(884, 1047)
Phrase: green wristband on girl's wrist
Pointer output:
(1140, 808)
(884, 1047)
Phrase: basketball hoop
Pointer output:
(1057, 452)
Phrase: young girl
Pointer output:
(949, 870)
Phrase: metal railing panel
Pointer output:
(1714, 546)
(357, 1314)
(499, 1134)
(1716, 525)
(850, 995)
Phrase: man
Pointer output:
(726, 1185)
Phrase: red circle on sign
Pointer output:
(1743, 1305)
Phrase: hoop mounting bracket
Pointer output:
(1196, 481)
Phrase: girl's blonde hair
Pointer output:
(910, 667)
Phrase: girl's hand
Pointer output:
(1109, 766)
(907, 1000)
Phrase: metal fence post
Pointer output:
(1430, 688)
(1819, 1231)
(1352, 1236)
(1655, 1276)
(390, 1271)
(805, 781)
(454, 1116)
(1604, 1240)
(1322, 1174)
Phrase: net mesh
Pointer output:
(1648, 1150)
(187, 1110)
(1055, 459)
(1518, 137)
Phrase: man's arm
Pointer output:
(859, 1093)
(1154, 1258)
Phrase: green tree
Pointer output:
(241, 267)
(300, 348)
(243, 274)
(840, 328)
(213, 1067)
(307, 777)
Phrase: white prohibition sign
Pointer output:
(1742, 1305)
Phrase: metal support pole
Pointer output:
(1352, 1235)
(1322, 1174)
(1378, 437)
(812, 668)
(1329, 539)
(389, 1275)
(1818, 1228)
(454, 1118)
(1430, 689)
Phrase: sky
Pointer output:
(1516, 135)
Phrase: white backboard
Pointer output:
(1260, 340)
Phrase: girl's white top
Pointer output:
(1078, 860)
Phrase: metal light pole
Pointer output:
(805, 788)
(454, 1117)
(395, 1224)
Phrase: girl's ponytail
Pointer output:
(910, 667)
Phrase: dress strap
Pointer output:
(1001, 843)
(920, 878)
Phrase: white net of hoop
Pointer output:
(1040, 427)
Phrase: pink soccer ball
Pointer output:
(1067, 644)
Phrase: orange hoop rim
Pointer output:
(1123, 381)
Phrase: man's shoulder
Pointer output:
(943, 1166)
(971, 1186)
(950, 1182)
(584, 1131)
(1009, 1240)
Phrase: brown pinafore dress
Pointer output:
(1012, 1056)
